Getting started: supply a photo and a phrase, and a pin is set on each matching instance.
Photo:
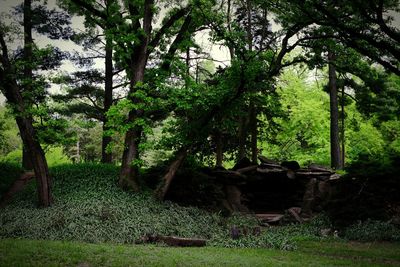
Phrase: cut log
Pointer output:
(334, 176)
(270, 165)
(272, 170)
(304, 172)
(295, 211)
(174, 241)
(317, 167)
(269, 217)
(247, 169)
(267, 160)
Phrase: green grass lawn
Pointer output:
(15, 252)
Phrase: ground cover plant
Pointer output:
(90, 207)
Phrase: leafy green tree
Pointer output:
(24, 89)
(366, 27)
(136, 41)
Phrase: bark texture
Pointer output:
(106, 157)
(334, 114)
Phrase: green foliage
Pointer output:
(303, 134)
(14, 157)
(9, 172)
(9, 134)
(89, 206)
(56, 156)
(372, 230)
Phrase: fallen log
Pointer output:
(269, 217)
(319, 168)
(295, 213)
(306, 172)
(267, 160)
(247, 169)
(274, 170)
(173, 241)
(270, 165)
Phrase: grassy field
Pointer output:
(15, 252)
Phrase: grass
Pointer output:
(14, 252)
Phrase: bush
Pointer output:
(372, 230)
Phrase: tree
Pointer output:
(98, 37)
(246, 71)
(22, 88)
(366, 27)
(336, 161)
(135, 41)
(13, 93)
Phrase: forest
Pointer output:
(262, 124)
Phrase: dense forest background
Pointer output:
(311, 81)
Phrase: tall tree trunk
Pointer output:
(29, 137)
(28, 72)
(78, 150)
(129, 169)
(162, 189)
(242, 137)
(26, 160)
(24, 121)
(38, 159)
(253, 132)
(343, 139)
(228, 20)
(106, 157)
(336, 162)
(219, 149)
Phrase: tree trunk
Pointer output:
(334, 114)
(24, 121)
(29, 138)
(228, 20)
(253, 132)
(219, 149)
(106, 157)
(26, 161)
(173, 168)
(242, 138)
(343, 139)
(28, 72)
(38, 159)
(129, 167)
(138, 61)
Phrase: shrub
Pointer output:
(372, 230)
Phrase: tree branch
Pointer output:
(168, 24)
